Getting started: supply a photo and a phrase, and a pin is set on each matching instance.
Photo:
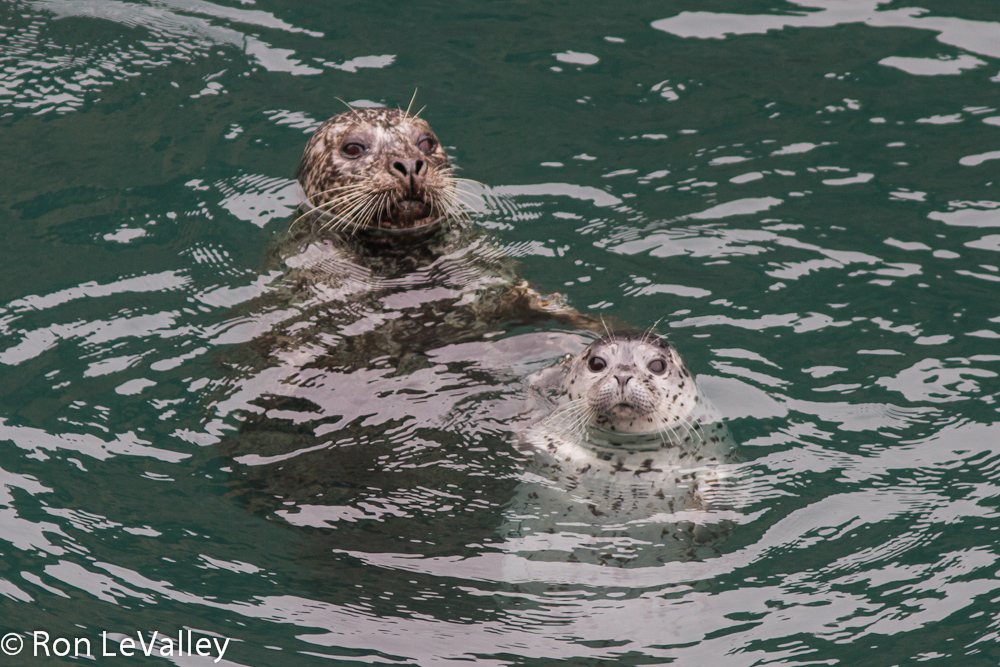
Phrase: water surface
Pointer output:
(801, 195)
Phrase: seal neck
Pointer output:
(386, 239)
(372, 240)
(603, 441)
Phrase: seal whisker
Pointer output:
(349, 217)
(452, 206)
(410, 105)
(339, 201)
(339, 188)
(363, 216)
(611, 336)
(344, 201)
(378, 206)
(461, 201)
(353, 110)
(354, 216)
(458, 187)
(570, 418)
(343, 216)
(373, 211)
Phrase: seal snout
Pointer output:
(621, 393)
(623, 378)
(625, 381)
(411, 173)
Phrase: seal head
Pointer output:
(381, 169)
(631, 383)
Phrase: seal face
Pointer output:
(632, 405)
(378, 169)
(631, 383)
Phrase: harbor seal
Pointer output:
(632, 460)
(381, 254)
(381, 267)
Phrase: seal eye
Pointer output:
(353, 150)
(657, 366)
(596, 364)
(427, 144)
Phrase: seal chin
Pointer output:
(625, 410)
(407, 214)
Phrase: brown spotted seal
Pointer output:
(382, 266)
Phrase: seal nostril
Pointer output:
(400, 166)
(418, 168)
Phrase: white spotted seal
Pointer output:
(632, 404)
(632, 459)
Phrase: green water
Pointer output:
(801, 195)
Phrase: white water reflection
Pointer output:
(43, 70)
(37, 442)
(172, 19)
(982, 37)
(933, 66)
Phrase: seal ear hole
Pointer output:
(597, 364)
(427, 144)
(353, 150)
(657, 366)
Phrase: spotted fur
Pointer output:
(625, 396)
